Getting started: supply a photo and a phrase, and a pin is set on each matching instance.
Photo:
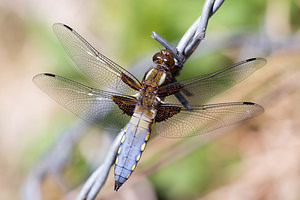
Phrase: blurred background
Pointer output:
(49, 153)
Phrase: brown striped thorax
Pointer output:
(156, 77)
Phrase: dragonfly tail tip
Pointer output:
(117, 185)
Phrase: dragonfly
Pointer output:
(145, 106)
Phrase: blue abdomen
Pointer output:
(132, 146)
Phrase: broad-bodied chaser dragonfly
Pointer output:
(146, 104)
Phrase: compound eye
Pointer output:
(157, 58)
(164, 57)
(169, 61)
(166, 52)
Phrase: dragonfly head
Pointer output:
(164, 57)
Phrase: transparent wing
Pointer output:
(205, 118)
(199, 89)
(95, 65)
(93, 105)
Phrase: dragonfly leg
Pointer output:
(182, 100)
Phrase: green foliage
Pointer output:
(77, 169)
(195, 174)
(295, 15)
(59, 63)
(236, 13)
(130, 23)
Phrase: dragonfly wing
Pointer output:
(94, 106)
(205, 118)
(200, 89)
(95, 65)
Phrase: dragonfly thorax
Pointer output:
(154, 77)
(148, 93)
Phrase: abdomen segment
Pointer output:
(132, 145)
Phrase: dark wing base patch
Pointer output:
(165, 112)
(127, 105)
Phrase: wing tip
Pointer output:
(36, 78)
(49, 74)
(61, 25)
(258, 59)
(248, 103)
(251, 59)
(68, 27)
(260, 109)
